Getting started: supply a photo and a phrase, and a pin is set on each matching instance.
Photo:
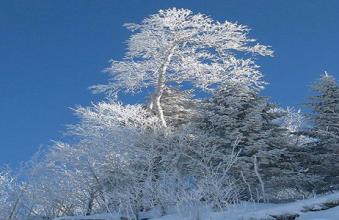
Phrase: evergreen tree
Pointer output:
(325, 117)
(237, 114)
(325, 106)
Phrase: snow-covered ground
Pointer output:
(329, 214)
(308, 209)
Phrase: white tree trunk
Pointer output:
(256, 170)
(161, 86)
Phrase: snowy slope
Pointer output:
(330, 214)
(309, 209)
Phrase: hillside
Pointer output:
(320, 208)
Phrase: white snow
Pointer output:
(329, 214)
(104, 216)
(243, 211)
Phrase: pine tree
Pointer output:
(325, 117)
(325, 106)
(237, 114)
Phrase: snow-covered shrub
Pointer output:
(7, 192)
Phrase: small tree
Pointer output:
(295, 122)
(117, 152)
(176, 46)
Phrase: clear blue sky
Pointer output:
(52, 51)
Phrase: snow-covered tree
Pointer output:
(237, 114)
(117, 150)
(12, 196)
(50, 192)
(8, 199)
(176, 46)
(138, 170)
(295, 122)
(325, 107)
(195, 168)
(325, 117)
